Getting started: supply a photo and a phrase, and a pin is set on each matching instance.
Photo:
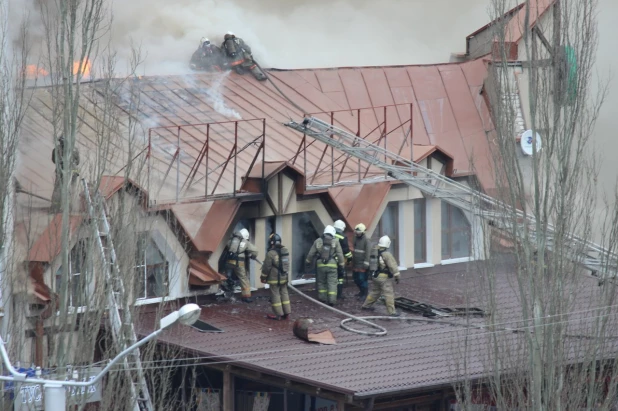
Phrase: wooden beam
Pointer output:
(536, 30)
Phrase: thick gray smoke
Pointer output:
(299, 33)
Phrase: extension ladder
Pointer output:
(121, 321)
(498, 214)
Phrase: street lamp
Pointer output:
(55, 393)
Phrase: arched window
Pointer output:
(455, 233)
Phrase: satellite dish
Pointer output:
(526, 142)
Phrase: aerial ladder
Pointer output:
(121, 321)
(498, 214)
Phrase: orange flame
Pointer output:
(33, 71)
(82, 67)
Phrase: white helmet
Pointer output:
(230, 33)
(244, 233)
(384, 242)
(330, 230)
(339, 225)
(204, 40)
(360, 228)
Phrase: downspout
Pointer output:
(38, 342)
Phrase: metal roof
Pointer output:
(448, 112)
(413, 356)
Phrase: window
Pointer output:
(76, 286)
(455, 233)
(151, 269)
(389, 225)
(420, 231)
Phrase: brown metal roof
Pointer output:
(215, 224)
(360, 204)
(202, 274)
(413, 356)
(448, 112)
(48, 245)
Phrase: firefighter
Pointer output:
(207, 57)
(239, 56)
(360, 260)
(240, 250)
(347, 255)
(384, 270)
(58, 159)
(275, 270)
(329, 255)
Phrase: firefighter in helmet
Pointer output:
(275, 270)
(239, 56)
(240, 250)
(207, 57)
(347, 255)
(360, 261)
(384, 269)
(329, 256)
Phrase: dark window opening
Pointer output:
(304, 234)
(389, 225)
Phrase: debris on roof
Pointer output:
(302, 330)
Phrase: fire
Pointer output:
(33, 71)
(82, 67)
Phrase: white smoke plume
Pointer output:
(215, 98)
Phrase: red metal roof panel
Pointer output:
(216, 224)
(427, 82)
(48, 245)
(329, 80)
(367, 204)
(201, 273)
(462, 104)
(377, 87)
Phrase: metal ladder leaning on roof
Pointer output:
(123, 329)
(499, 214)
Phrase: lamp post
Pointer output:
(55, 392)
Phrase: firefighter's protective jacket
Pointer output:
(271, 267)
(387, 264)
(361, 253)
(336, 254)
(345, 247)
(235, 46)
(246, 250)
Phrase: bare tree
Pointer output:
(554, 347)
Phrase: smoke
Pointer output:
(298, 33)
(215, 98)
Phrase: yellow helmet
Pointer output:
(360, 228)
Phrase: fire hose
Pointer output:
(365, 319)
